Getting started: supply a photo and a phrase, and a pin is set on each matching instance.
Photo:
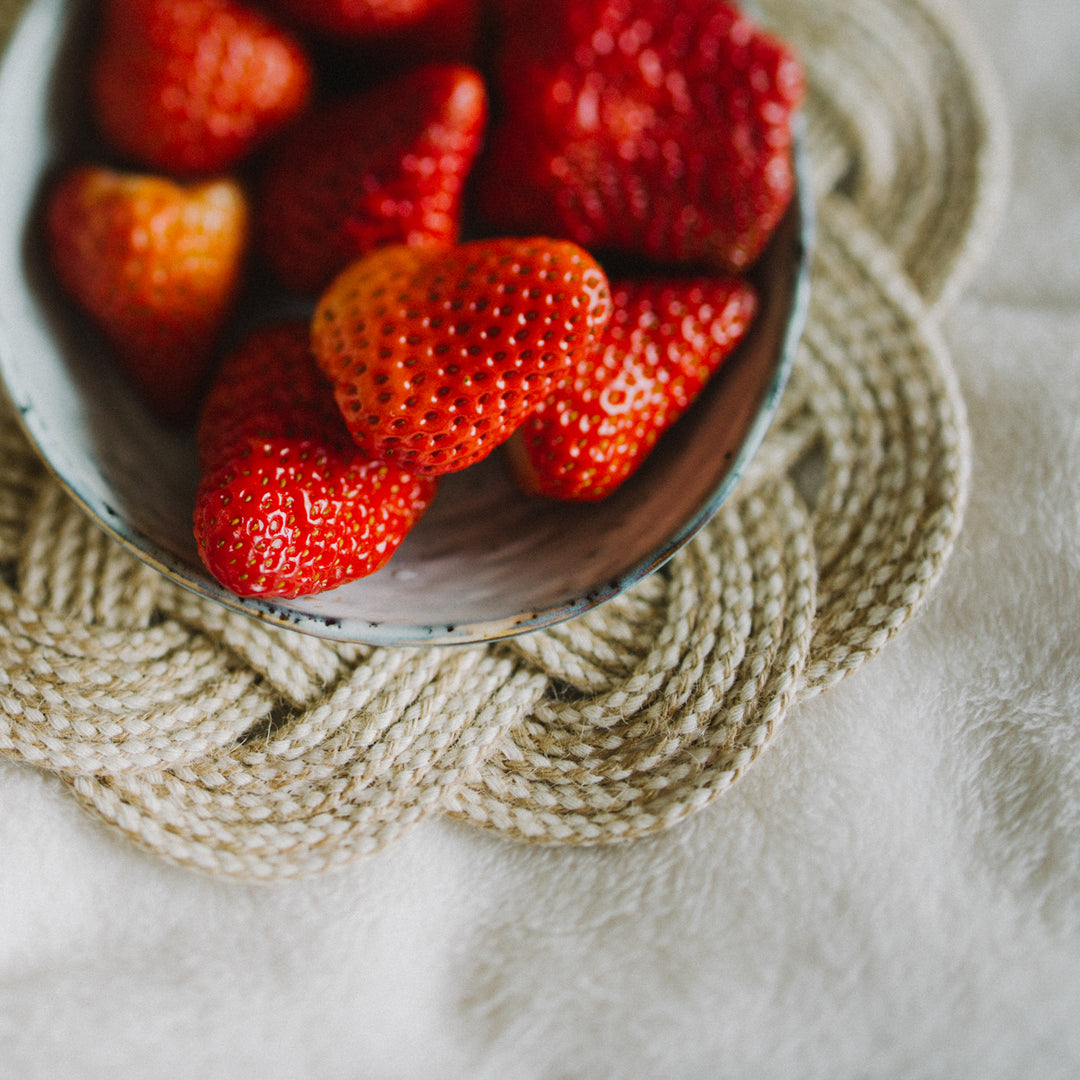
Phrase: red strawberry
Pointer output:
(357, 44)
(287, 504)
(387, 166)
(653, 127)
(194, 86)
(438, 354)
(364, 20)
(156, 265)
(665, 340)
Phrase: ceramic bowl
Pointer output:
(485, 562)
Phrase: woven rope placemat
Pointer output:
(240, 749)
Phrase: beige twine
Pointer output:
(224, 744)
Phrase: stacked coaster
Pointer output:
(241, 749)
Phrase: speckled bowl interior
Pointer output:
(485, 562)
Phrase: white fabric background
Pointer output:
(893, 891)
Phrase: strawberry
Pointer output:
(382, 167)
(357, 44)
(287, 505)
(437, 355)
(649, 127)
(418, 21)
(666, 338)
(194, 86)
(156, 265)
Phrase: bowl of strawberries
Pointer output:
(427, 322)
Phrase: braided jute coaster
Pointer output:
(240, 749)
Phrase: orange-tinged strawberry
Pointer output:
(437, 355)
(665, 340)
(194, 86)
(156, 264)
(385, 166)
(287, 504)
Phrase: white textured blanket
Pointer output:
(893, 891)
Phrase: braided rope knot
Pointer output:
(242, 749)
